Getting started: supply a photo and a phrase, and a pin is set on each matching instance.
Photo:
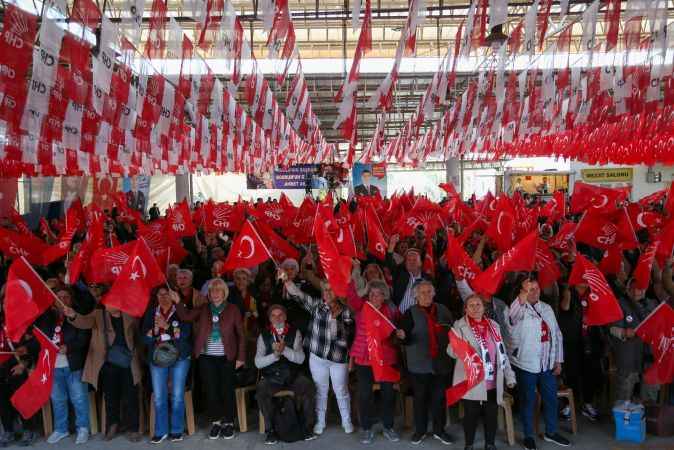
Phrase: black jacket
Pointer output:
(401, 278)
(75, 339)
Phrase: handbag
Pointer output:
(116, 355)
(165, 354)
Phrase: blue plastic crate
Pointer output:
(630, 424)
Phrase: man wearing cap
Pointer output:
(405, 275)
(279, 356)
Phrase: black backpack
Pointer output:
(287, 423)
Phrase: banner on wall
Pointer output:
(369, 179)
(8, 190)
(137, 191)
(300, 176)
(73, 188)
(104, 188)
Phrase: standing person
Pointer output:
(537, 354)
(484, 335)
(72, 343)
(378, 295)
(425, 326)
(220, 348)
(405, 275)
(279, 356)
(329, 334)
(161, 326)
(113, 355)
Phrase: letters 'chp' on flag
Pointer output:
(14, 245)
(521, 257)
(596, 230)
(26, 298)
(657, 330)
(602, 307)
(179, 221)
(378, 329)
(376, 242)
(462, 265)
(35, 392)
(248, 249)
(472, 367)
(642, 273)
(140, 274)
(337, 267)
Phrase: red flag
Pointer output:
(563, 237)
(35, 392)
(602, 306)
(500, 228)
(19, 223)
(555, 208)
(86, 12)
(612, 261)
(376, 242)
(462, 265)
(26, 298)
(140, 274)
(13, 245)
(75, 216)
(654, 198)
(449, 189)
(657, 330)
(521, 257)
(280, 248)
(179, 221)
(472, 367)
(596, 230)
(46, 230)
(248, 249)
(109, 263)
(337, 267)
(378, 329)
(223, 217)
(546, 265)
(345, 240)
(429, 259)
(642, 273)
(669, 203)
(596, 198)
(59, 249)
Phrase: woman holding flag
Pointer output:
(481, 397)
(374, 354)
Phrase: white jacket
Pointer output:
(526, 349)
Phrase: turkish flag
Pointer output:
(337, 267)
(14, 245)
(378, 329)
(642, 273)
(140, 274)
(109, 263)
(462, 265)
(104, 190)
(657, 330)
(429, 259)
(126, 214)
(8, 191)
(626, 235)
(587, 197)
(669, 203)
(449, 189)
(643, 219)
(546, 265)
(247, 250)
(376, 242)
(521, 257)
(35, 392)
(555, 208)
(473, 368)
(75, 216)
(654, 198)
(26, 298)
(602, 306)
(86, 12)
(179, 221)
(279, 248)
(502, 223)
(596, 230)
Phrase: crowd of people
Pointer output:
(281, 326)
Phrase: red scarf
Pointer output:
(58, 332)
(279, 336)
(431, 314)
(480, 330)
(166, 316)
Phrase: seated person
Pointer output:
(279, 356)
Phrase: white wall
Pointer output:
(640, 188)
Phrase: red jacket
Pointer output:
(359, 347)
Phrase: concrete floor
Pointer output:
(590, 437)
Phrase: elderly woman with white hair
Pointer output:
(328, 337)
(297, 315)
(219, 348)
(425, 325)
(378, 295)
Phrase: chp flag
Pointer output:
(657, 330)
(378, 328)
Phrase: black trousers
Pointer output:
(366, 409)
(583, 373)
(429, 390)
(118, 387)
(217, 377)
(473, 410)
(305, 399)
(8, 385)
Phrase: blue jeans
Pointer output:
(547, 386)
(69, 385)
(160, 386)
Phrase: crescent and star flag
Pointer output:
(35, 392)
(376, 242)
(472, 367)
(657, 330)
(601, 306)
(130, 292)
(378, 328)
(248, 249)
(26, 298)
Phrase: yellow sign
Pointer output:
(607, 175)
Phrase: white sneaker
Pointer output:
(82, 436)
(56, 436)
(348, 427)
(319, 428)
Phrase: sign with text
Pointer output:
(607, 175)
